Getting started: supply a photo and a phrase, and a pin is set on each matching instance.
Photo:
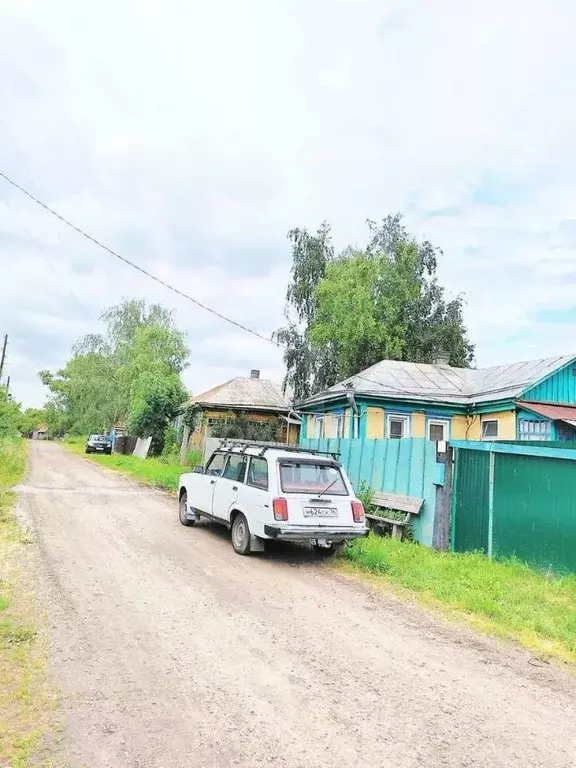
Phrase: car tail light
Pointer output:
(358, 511)
(280, 508)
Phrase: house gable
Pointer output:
(558, 387)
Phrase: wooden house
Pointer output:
(257, 399)
(534, 400)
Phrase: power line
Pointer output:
(32, 240)
(132, 264)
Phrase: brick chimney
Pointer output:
(442, 358)
(254, 373)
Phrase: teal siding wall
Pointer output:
(560, 387)
(398, 406)
(528, 416)
(407, 467)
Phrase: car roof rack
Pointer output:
(229, 444)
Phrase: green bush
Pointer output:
(194, 458)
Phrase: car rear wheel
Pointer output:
(241, 535)
(183, 511)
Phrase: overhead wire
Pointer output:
(34, 242)
(132, 264)
(157, 279)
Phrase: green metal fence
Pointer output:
(512, 499)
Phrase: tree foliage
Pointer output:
(10, 415)
(366, 305)
(129, 375)
(305, 365)
(31, 419)
(241, 427)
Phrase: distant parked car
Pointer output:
(273, 492)
(98, 444)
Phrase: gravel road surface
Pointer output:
(171, 651)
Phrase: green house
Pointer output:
(534, 400)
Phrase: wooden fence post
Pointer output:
(184, 445)
(441, 533)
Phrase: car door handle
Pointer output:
(212, 482)
(234, 487)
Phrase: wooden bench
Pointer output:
(411, 505)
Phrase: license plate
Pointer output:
(320, 512)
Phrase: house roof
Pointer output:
(565, 413)
(399, 380)
(243, 392)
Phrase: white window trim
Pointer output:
(439, 423)
(491, 437)
(338, 421)
(319, 420)
(398, 417)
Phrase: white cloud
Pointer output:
(190, 136)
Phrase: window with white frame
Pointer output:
(438, 429)
(532, 429)
(489, 429)
(339, 425)
(397, 426)
(319, 426)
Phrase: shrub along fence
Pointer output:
(514, 499)
(407, 467)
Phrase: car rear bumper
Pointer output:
(306, 532)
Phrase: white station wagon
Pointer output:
(264, 492)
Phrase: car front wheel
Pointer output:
(183, 511)
(241, 535)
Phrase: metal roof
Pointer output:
(565, 413)
(244, 392)
(399, 380)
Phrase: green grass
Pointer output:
(26, 705)
(506, 598)
(156, 472)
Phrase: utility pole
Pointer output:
(8, 386)
(3, 354)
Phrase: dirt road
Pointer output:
(171, 651)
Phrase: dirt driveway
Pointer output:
(172, 651)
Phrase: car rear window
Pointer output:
(258, 473)
(296, 477)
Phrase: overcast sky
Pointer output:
(190, 136)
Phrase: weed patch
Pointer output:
(26, 706)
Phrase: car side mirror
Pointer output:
(199, 470)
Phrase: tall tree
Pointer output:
(383, 302)
(306, 367)
(131, 373)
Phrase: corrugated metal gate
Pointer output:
(516, 500)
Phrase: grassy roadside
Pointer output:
(155, 472)
(503, 598)
(26, 705)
